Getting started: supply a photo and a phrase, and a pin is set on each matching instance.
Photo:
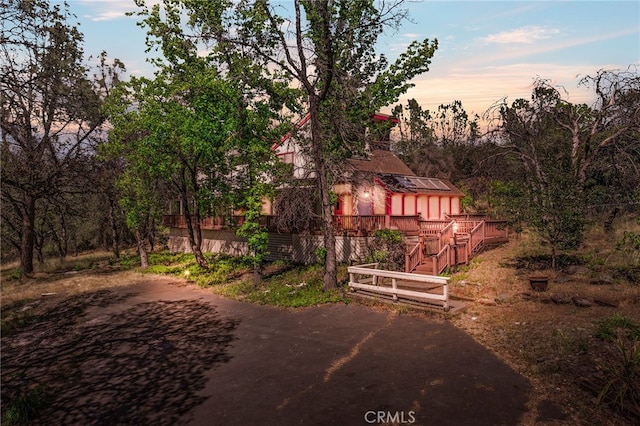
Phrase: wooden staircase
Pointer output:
(446, 244)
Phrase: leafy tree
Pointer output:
(439, 144)
(554, 203)
(50, 121)
(327, 47)
(233, 164)
(177, 127)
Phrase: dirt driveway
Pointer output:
(166, 353)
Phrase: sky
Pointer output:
(488, 50)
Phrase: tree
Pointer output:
(555, 207)
(438, 144)
(605, 139)
(177, 127)
(218, 132)
(50, 115)
(328, 48)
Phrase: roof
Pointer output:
(381, 162)
(418, 184)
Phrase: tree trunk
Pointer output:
(115, 238)
(330, 267)
(193, 241)
(142, 249)
(608, 223)
(28, 236)
(257, 274)
(62, 239)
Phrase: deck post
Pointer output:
(445, 293)
(394, 287)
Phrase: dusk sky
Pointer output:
(487, 49)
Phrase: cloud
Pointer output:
(481, 87)
(524, 35)
(109, 10)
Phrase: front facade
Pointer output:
(380, 185)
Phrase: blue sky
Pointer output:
(487, 49)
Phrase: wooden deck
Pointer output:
(446, 244)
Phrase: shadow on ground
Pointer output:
(141, 362)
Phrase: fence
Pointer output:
(422, 288)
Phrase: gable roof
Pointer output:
(381, 162)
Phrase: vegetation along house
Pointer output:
(375, 191)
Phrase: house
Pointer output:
(379, 190)
(376, 191)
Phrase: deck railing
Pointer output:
(476, 237)
(405, 223)
(358, 223)
(458, 248)
(432, 227)
(413, 257)
(441, 260)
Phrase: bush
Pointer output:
(608, 328)
(388, 249)
(24, 407)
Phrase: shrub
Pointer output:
(388, 249)
(608, 328)
(24, 407)
(622, 386)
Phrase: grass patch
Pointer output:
(285, 284)
(294, 287)
(221, 269)
(14, 318)
(24, 408)
(608, 328)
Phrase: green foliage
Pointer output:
(221, 268)
(622, 386)
(25, 407)
(299, 287)
(14, 319)
(608, 328)
(388, 249)
(630, 245)
(51, 121)
(14, 275)
(388, 236)
(321, 255)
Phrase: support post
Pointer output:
(394, 287)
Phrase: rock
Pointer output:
(580, 302)
(573, 269)
(487, 302)
(602, 279)
(502, 298)
(526, 296)
(607, 303)
(559, 300)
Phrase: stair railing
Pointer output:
(413, 258)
